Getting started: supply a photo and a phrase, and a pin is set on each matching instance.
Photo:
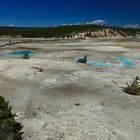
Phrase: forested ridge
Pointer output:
(59, 31)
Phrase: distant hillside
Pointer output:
(64, 31)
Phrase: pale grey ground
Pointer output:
(46, 101)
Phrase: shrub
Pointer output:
(133, 87)
(9, 128)
(26, 56)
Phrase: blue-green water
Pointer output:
(126, 62)
(77, 58)
(22, 52)
(14, 54)
(98, 64)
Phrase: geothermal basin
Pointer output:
(57, 98)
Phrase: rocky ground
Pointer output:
(58, 99)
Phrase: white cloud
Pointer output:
(69, 24)
(11, 25)
(134, 26)
(45, 26)
(77, 23)
(64, 24)
(97, 22)
(55, 25)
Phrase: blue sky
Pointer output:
(54, 12)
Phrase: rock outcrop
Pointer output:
(104, 33)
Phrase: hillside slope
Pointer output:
(68, 31)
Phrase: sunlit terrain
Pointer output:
(57, 98)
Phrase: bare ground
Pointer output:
(72, 101)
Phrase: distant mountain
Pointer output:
(69, 31)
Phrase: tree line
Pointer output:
(59, 31)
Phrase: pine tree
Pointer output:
(9, 128)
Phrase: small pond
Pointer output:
(127, 63)
(15, 54)
(21, 52)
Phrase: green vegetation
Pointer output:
(26, 56)
(9, 128)
(133, 87)
(59, 31)
(82, 60)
